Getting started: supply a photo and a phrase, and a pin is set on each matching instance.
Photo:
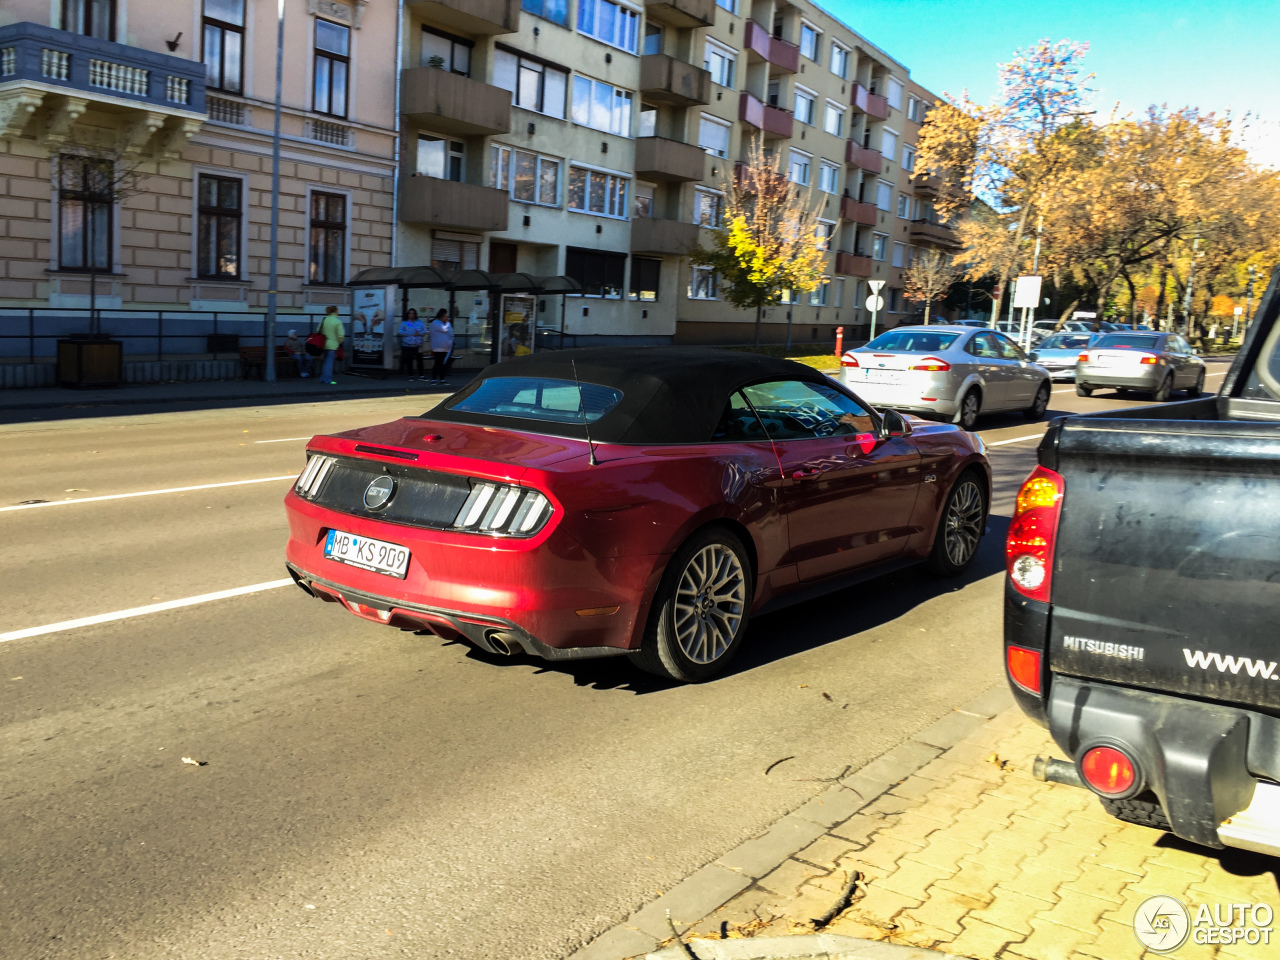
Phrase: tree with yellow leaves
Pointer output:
(769, 241)
(930, 277)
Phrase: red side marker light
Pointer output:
(1024, 667)
(1108, 771)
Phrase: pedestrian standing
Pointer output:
(293, 346)
(412, 330)
(334, 334)
(441, 346)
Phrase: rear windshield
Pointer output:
(1127, 341)
(912, 341)
(1066, 341)
(536, 398)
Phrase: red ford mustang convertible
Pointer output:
(586, 503)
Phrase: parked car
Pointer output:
(1141, 602)
(947, 371)
(1156, 363)
(586, 503)
(1059, 353)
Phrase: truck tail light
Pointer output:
(848, 360)
(931, 363)
(1033, 534)
(1024, 668)
(1148, 358)
(1108, 771)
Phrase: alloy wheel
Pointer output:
(963, 523)
(969, 410)
(709, 603)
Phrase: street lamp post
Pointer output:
(1248, 311)
(272, 298)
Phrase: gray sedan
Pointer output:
(1155, 363)
(1059, 353)
(955, 372)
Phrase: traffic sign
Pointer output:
(875, 285)
(875, 303)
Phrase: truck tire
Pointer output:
(1143, 812)
(1084, 390)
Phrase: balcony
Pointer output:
(682, 14)
(449, 103)
(484, 17)
(869, 103)
(446, 203)
(140, 95)
(926, 185)
(852, 265)
(863, 158)
(674, 237)
(855, 212)
(938, 234)
(758, 41)
(658, 158)
(668, 80)
(774, 121)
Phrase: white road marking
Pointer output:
(143, 611)
(146, 493)
(283, 440)
(1001, 443)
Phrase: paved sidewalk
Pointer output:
(968, 855)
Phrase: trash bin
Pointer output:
(90, 361)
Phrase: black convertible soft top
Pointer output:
(669, 394)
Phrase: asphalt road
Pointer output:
(369, 793)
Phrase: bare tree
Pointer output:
(929, 278)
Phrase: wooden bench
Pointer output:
(253, 363)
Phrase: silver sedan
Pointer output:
(947, 371)
(1155, 363)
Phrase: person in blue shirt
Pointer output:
(412, 330)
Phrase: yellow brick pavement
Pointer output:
(981, 860)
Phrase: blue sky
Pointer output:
(1213, 55)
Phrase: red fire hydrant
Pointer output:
(839, 341)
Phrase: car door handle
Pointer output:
(808, 473)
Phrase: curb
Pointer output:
(114, 400)
(812, 946)
(716, 883)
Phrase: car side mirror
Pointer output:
(1033, 357)
(894, 424)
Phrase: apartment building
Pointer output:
(594, 138)
(135, 151)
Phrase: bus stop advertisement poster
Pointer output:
(371, 343)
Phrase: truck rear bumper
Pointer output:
(1209, 765)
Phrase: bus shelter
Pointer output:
(495, 315)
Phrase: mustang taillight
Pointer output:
(1148, 358)
(312, 476)
(931, 363)
(1033, 534)
(848, 360)
(503, 509)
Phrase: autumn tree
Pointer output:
(768, 243)
(929, 278)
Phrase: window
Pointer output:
(609, 22)
(899, 255)
(810, 41)
(327, 262)
(455, 252)
(528, 177)
(838, 300)
(771, 93)
(648, 126)
(798, 169)
(738, 423)
(720, 61)
(440, 158)
(828, 177)
(894, 297)
(643, 202)
(557, 11)
(90, 18)
(652, 39)
(600, 273)
(445, 52)
(888, 144)
(1010, 351)
(800, 410)
(884, 195)
(915, 209)
(85, 204)
(805, 101)
(708, 208)
(878, 243)
(224, 44)
(833, 119)
(893, 93)
(593, 191)
(914, 110)
(819, 294)
(904, 207)
(534, 85)
(331, 65)
(539, 398)
(826, 230)
(645, 274)
(908, 158)
(839, 61)
(730, 5)
(703, 284)
(601, 106)
(220, 214)
(713, 136)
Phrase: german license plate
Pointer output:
(367, 553)
(884, 376)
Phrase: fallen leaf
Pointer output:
(1001, 764)
(15, 678)
(194, 762)
(828, 697)
(803, 685)
(76, 490)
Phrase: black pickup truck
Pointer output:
(1142, 603)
